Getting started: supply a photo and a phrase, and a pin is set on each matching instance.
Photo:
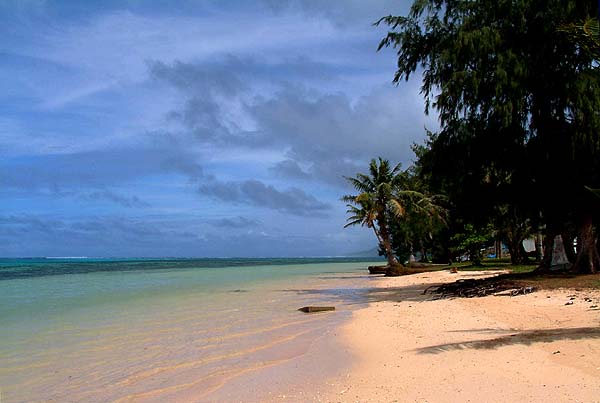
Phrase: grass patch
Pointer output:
(495, 264)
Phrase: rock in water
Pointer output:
(311, 309)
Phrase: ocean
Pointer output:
(125, 330)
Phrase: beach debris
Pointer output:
(593, 306)
(569, 303)
(522, 290)
(556, 352)
(470, 288)
(377, 269)
(454, 270)
(311, 309)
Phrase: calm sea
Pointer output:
(103, 330)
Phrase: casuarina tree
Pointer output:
(517, 99)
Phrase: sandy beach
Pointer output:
(410, 348)
(386, 341)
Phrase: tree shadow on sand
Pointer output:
(525, 337)
(364, 295)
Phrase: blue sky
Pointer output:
(193, 128)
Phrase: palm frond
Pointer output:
(397, 208)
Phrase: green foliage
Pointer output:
(376, 201)
(390, 202)
(518, 102)
(472, 241)
(424, 218)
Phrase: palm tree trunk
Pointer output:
(386, 241)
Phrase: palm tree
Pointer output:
(423, 216)
(585, 34)
(376, 201)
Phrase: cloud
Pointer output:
(322, 135)
(289, 169)
(111, 236)
(234, 222)
(351, 14)
(293, 200)
(125, 201)
(209, 79)
(34, 235)
(263, 116)
(100, 168)
(97, 50)
(317, 128)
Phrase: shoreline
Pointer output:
(385, 342)
(409, 347)
(176, 334)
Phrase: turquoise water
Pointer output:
(143, 330)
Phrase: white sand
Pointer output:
(530, 348)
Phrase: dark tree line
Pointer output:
(518, 98)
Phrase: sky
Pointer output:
(194, 128)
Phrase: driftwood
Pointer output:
(471, 288)
(311, 309)
(377, 269)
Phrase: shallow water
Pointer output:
(158, 330)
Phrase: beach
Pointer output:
(410, 348)
(179, 331)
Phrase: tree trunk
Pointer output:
(515, 234)
(498, 248)
(538, 247)
(588, 259)
(387, 242)
(517, 251)
(548, 244)
(423, 253)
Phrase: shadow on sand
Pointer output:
(525, 337)
(365, 295)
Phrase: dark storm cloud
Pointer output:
(293, 200)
